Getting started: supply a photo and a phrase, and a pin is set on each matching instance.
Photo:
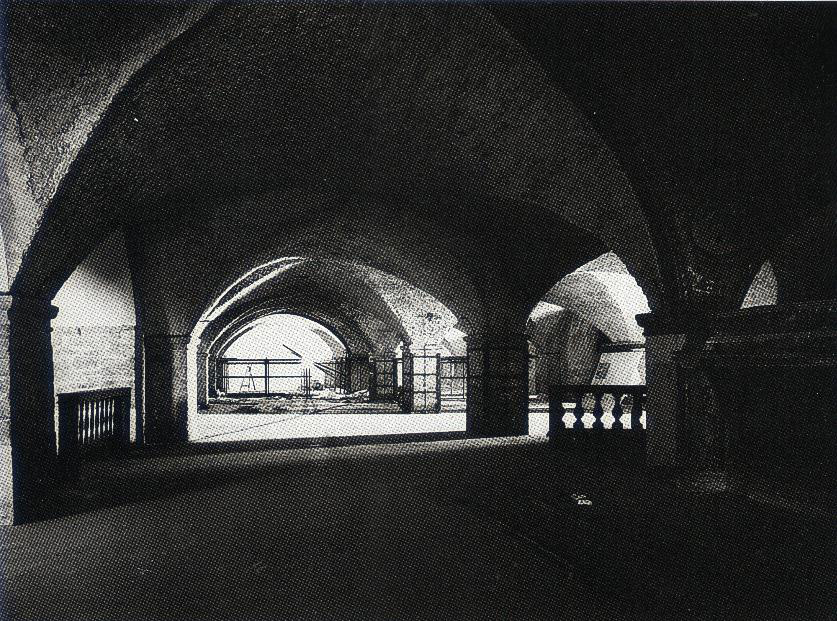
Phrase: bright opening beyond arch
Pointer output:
(285, 336)
(273, 335)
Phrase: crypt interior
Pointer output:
(417, 310)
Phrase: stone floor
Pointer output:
(464, 529)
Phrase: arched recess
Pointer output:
(211, 338)
(374, 311)
(804, 262)
(763, 291)
(352, 299)
(95, 335)
(389, 256)
(351, 338)
(592, 306)
(385, 308)
(278, 337)
(334, 290)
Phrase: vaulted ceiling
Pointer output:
(478, 153)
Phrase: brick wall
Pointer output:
(94, 357)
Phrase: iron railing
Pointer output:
(247, 377)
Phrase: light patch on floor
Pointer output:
(223, 423)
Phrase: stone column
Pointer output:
(665, 344)
(497, 403)
(212, 376)
(203, 372)
(406, 395)
(6, 470)
(166, 388)
(27, 408)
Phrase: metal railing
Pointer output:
(245, 377)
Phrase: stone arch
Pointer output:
(606, 294)
(351, 338)
(4, 268)
(386, 307)
(502, 153)
(597, 302)
(226, 340)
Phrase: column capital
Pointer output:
(27, 308)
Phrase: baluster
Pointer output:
(560, 412)
(617, 411)
(114, 422)
(578, 411)
(79, 423)
(556, 414)
(109, 417)
(598, 412)
(636, 411)
(86, 421)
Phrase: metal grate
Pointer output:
(453, 377)
(383, 385)
(426, 386)
(92, 420)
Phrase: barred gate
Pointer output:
(453, 377)
(427, 395)
(383, 380)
